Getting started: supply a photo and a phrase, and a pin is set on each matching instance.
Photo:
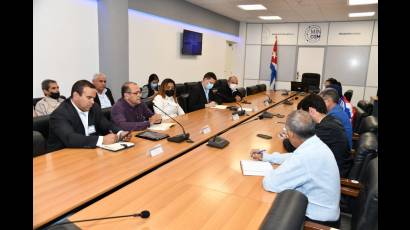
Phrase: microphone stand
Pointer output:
(178, 138)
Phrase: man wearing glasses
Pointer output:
(104, 96)
(129, 113)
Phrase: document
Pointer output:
(246, 109)
(219, 107)
(161, 126)
(118, 146)
(255, 168)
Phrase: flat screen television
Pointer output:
(191, 43)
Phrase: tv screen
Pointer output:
(191, 43)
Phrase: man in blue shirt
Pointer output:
(331, 98)
(310, 169)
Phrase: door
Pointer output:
(310, 60)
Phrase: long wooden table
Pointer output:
(203, 189)
(68, 178)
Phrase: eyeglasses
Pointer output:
(135, 93)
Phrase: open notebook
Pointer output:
(255, 168)
(118, 146)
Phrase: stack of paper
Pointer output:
(255, 168)
(118, 146)
(161, 126)
(219, 107)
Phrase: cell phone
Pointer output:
(264, 136)
(127, 133)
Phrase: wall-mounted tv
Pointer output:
(191, 43)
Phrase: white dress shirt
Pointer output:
(168, 105)
(84, 120)
(104, 100)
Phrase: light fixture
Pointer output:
(362, 2)
(270, 17)
(252, 7)
(361, 14)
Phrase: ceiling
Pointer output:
(288, 10)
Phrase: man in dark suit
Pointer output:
(104, 96)
(79, 123)
(228, 92)
(329, 130)
(202, 95)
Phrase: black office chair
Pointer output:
(180, 88)
(366, 150)
(149, 102)
(190, 85)
(41, 124)
(287, 211)
(348, 95)
(221, 83)
(250, 90)
(183, 101)
(39, 144)
(366, 106)
(369, 124)
(360, 114)
(107, 113)
(242, 91)
(261, 87)
(312, 80)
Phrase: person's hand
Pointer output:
(238, 98)
(155, 119)
(125, 136)
(283, 135)
(257, 154)
(110, 138)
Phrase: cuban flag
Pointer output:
(274, 64)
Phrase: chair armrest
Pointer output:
(350, 183)
(353, 192)
(309, 225)
(355, 137)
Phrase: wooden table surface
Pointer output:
(66, 179)
(203, 189)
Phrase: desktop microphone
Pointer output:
(144, 214)
(269, 100)
(239, 112)
(178, 138)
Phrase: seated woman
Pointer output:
(166, 100)
(150, 89)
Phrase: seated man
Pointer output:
(201, 95)
(229, 92)
(310, 169)
(51, 100)
(329, 130)
(104, 96)
(79, 123)
(331, 98)
(129, 113)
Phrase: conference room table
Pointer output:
(203, 189)
(70, 178)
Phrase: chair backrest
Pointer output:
(251, 90)
(367, 149)
(183, 101)
(359, 115)
(312, 80)
(287, 211)
(180, 88)
(189, 85)
(107, 113)
(149, 102)
(366, 106)
(348, 95)
(261, 87)
(39, 144)
(368, 124)
(221, 83)
(41, 125)
(35, 100)
(242, 91)
(365, 215)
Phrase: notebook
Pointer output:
(255, 168)
(150, 135)
(219, 107)
(118, 146)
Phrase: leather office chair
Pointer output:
(189, 85)
(39, 144)
(359, 115)
(366, 150)
(221, 83)
(35, 100)
(261, 87)
(251, 90)
(369, 124)
(180, 89)
(107, 113)
(287, 211)
(366, 106)
(348, 95)
(242, 91)
(149, 102)
(41, 125)
(183, 101)
(312, 80)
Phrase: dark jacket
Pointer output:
(225, 94)
(67, 130)
(331, 132)
(197, 98)
(109, 95)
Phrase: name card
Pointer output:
(206, 129)
(156, 150)
(235, 117)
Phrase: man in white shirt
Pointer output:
(104, 96)
(51, 100)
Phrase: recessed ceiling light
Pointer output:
(362, 2)
(270, 17)
(361, 14)
(252, 7)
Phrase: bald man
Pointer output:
(229, 92)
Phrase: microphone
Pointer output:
(178, 138)
(269, 100)
(144, 214)
(239, 112)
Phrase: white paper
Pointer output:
(235, 117)
(255, 168)
(219, 107)
(246, 109)
(161, 126)
(205, 130)
(156, 150)
(117, 146)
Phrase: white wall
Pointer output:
(155, 47)
(65, 42)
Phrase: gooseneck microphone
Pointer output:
(269, 100)
(144, 214)
(239, 112)
(178, 138)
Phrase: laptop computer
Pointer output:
(298, 86)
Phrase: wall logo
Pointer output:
(313, 33)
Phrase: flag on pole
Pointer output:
(274, 64)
